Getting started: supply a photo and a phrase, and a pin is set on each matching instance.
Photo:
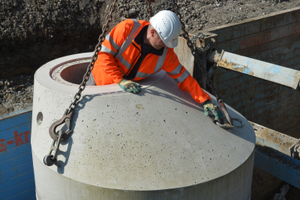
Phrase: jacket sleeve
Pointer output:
(106, 69)
(183, 78)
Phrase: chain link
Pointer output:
(185, 35)
(196, 51)
(50, 159)
(98, 47)
(149, 9)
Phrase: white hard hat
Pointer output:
(168, 27)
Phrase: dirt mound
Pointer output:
(33, 32)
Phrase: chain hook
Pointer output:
(191, 43)
(51, 158)
(230, 126)
(224, 109)
(66, 119)
(230, 120)
(59, 136)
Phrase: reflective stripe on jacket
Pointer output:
(120, 52)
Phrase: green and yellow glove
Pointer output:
(209, 106)
(130, 86)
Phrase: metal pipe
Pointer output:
(263, 70)
(276, 153)
(274, 139)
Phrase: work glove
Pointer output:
(130, 86)
(209, 106)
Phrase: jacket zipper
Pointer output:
(135, 60)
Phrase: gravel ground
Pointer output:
(16, 93)
(32, 32)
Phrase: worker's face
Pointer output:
(155, 41)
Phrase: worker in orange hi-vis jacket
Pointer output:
(136, 49)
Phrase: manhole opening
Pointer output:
(74, 73)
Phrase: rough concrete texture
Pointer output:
(156, 140)
(33, 32)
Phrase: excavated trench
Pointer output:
(33, 32)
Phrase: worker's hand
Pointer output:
(209, 106)
(130, 86)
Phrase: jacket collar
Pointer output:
(139, 39)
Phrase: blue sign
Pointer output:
(16, 169)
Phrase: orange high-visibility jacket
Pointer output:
(120, 52)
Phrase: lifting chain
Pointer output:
(101, 38)
(193, 48)
(149, 9)
(59, 136)
(201, 64)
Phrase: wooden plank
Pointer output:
(256, 25)
(258, 49)
(280, 54)
(257, 40)
(273, 38)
